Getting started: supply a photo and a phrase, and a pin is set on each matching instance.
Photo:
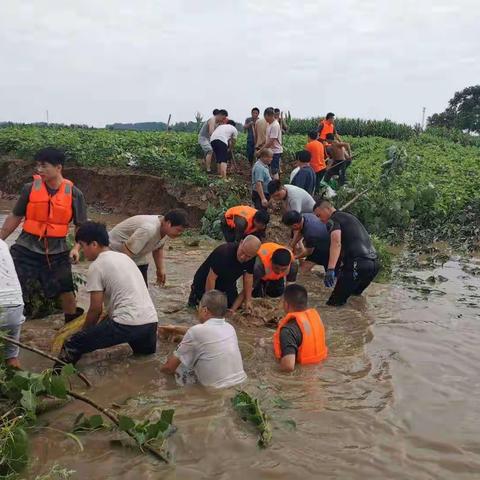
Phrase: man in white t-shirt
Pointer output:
(209, 353)
(223, 141)
(11, 305)
(293, 197)
(113, 279)
(273, 141)
(141, 235)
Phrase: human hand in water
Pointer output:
(329, 281)
(161, 278)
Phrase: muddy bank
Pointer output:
(116, 191)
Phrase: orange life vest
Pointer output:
(243, 211)
(48, 215)
(313, 348)
(325, 129)
(265, 254)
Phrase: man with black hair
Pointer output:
(293, 197)
(113, 279)
(274, 266)
(223, 142)
(340, 154)
(140, 235)
(249, 127)
(305, 177)
(350, 244)
(317, 157)
(281, 120)
(315, 243)
(273, 140)
(242, 220)
(41, 253)
(300, 335)
(206, 131)
(326, 127)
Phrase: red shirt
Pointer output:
(317, 152)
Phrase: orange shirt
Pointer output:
(317, 152)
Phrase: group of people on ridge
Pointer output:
(121, 310)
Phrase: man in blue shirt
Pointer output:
(260, 179)
(305, 177)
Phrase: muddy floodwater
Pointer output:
(396, 399)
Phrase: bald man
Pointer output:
(221, 270)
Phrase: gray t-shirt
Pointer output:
(126, 296)
(298, 199)
(55, 245)
(140, 234)
(260, 173)
(314, 231)
(211, 350)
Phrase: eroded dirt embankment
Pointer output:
(117, 191)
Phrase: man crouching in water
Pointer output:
(300, 335)
(209, 353)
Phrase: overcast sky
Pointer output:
(105, 61)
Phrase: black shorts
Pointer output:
(53, 273)
(220, 149)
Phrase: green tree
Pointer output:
(463, 111)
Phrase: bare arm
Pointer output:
(159, 259)
(9, 225)
(247, 288)
(259, 189)
(287, 363)
(297, 236)
(170, 365)
(95, 309)
(304, 253)
(211, 126)
(211, 279)
(335, 248)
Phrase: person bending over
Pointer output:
(341, 155)
(300, 335)
(221, 270)
(113, 280)
(223, 142)
(311, 235)
(140, 235)
(238, 222)
(350, 243)
(208, 353)
(274, 266)
(293, 197)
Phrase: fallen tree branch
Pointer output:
(354, 199)
(44, 354)
(156, 453)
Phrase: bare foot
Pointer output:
(14, 363)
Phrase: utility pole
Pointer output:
(423, 117)
(47, 117)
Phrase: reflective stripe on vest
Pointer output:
(265, 254)
(313, 348)
(46, 215)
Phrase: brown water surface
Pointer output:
(397, 397)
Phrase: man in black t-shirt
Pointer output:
(351, 244)
(221, 270)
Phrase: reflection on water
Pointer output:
(396, 399)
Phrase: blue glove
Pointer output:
(329, 278)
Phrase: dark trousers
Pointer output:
(339, 168)
(269, 288)
(320, 255)
(228, 233)
(318, 179)
(257, 201)
(353, 279)
(197, 291)
(250, 151)
(144, 271)
(107, 333)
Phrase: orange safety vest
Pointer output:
(326, 129)
(243, 211)
(313, 348)
(265, 254)
(48, 215)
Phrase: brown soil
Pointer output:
(116, 191)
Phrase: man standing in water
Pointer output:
(141, 235)
(350, 244)
(249, 127)
(209, 353)
(41, 254)
(221, 270)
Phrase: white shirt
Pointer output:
(224, 133)
(140, 234)
(298, 199)
(126, 295)
(211, 350)
(10, 289)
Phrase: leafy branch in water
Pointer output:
(250, 410)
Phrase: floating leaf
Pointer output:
(125, 423)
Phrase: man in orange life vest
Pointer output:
(240, 221)
(40, 253)
(274, 265)
(300, 335)
(327, 126)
